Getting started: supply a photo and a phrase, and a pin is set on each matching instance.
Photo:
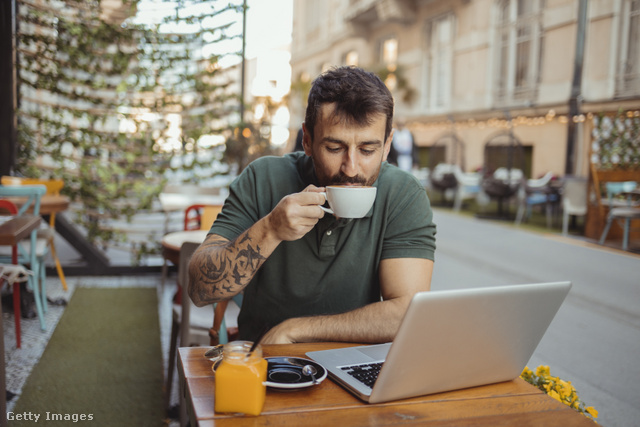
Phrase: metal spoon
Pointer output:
(310, 371)
(215, 352)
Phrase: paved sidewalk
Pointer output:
(594, 341)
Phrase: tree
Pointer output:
(105, 103)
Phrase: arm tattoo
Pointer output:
(228, 267)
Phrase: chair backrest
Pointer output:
(615, 188)
(186, 251)
(200, 217)
(33, 194)
(512, 176)
(8, 206)
(540, 182)
(574, 195)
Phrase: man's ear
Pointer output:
(387, 146)
(306, 140)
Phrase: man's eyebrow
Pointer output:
(333, 140)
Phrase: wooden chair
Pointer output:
(201, 217)
(14, 274)
(54, 187)
(191, 325)
(32, 251)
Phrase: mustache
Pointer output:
(341, 179)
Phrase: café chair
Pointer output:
(190, 324)
(31, 251)
(468, 186)
(614, 189)
(196, 217)
(624, 215)
(14, 274)
(200, 217)
(574, 200)
(536, 192)
(54, 187)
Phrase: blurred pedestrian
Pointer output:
(403, 151)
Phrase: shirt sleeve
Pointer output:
(409, 230)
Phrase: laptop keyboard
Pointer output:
(365, 373)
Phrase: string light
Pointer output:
(517, 121)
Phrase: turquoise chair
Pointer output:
(616, 188)
(31, 251)
(622, 211)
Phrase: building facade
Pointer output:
(540, 70)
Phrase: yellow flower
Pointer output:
(542, 371)
(558, 389)
(592, 411)
(565, 388)
(555, 395)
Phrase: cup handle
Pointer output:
(327, 210)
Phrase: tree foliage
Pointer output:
(101, 98)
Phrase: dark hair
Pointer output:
(357, 94)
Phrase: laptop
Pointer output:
(449, 340)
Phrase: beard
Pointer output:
(342, 179)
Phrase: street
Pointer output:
(594, 340)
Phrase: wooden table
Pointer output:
(172, 242)
(508, 403)
(49, 203)
(11, 232)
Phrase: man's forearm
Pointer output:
(374, 323)
(220, 268)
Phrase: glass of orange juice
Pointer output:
(240, 379)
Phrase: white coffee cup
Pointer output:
(349, 201)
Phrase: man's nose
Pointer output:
(349, 163)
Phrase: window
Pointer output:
(439, 66)
(518, 49)
(388, 54)
(628, 75)
(350, 58)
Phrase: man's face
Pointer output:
(345, 153)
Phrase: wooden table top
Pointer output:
(174, 241)
(17, 228)
(49, 203)
(508, 403)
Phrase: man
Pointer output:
(403, 151)
(308, 276)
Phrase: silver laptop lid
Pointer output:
(463, 338)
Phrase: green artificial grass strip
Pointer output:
(102, 364)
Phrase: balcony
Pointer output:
(366, 12)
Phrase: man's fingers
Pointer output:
(307, 198)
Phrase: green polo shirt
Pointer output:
(334, 267)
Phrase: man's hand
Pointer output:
(296, 214)
(279, 334)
